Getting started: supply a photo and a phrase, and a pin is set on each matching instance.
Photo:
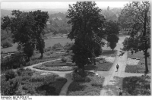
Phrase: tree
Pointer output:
(40, 19)
(113, 40)
(27, 30)
(138, 16)
(112, 30)
(87, 24)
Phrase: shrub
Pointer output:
(136, 85)
(16, 60)
(6, 44)
(68, 46)
(9, 87)
(63, 59)
(47, 49)
(77, 77)
(10, 74)
(57, 46)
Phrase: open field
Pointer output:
(48, 42)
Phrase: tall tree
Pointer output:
(40, 19)
(137, 14)
(87, 31)
(27, 30)
(112, 31)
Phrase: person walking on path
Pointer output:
(117, 66)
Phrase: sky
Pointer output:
(57, 5)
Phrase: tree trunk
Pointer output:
(94, 61)
(146, 64)
(41, 55)
(145, 42)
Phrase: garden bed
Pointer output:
(59, 68)
(136, 65)
(27, 82)
(91, 85)
(58, 63)
(56, 66)
(99, 66)
(136, 86)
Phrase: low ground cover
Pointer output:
(136, 85)
(90, 85)
(25, 82)
(140, 67)
(99, 66)
(109, 53)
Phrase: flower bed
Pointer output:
(57, 68)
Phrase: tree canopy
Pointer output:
(137, 15)
(112, 31)
(87, 27)
(27, 29)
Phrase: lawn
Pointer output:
(140, 67)
(109, 53)
(48, 42)
(92, 85)
(27, 82)
(136, 86)
(99, 66)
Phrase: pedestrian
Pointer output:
(117, 66)
(120, 91)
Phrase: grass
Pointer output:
(136, 86)
(99, 66)
(91, 86)
(109, 53)
(48, 43)
(32, 83)
(140, 67)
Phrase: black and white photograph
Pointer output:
(75, 48)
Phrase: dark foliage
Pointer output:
(87, 22)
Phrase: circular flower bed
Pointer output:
(56, 68)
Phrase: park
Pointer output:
(96, 58)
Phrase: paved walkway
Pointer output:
(113, 81)
(65, 87)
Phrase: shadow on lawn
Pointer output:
(46, 89)
(109, 52)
